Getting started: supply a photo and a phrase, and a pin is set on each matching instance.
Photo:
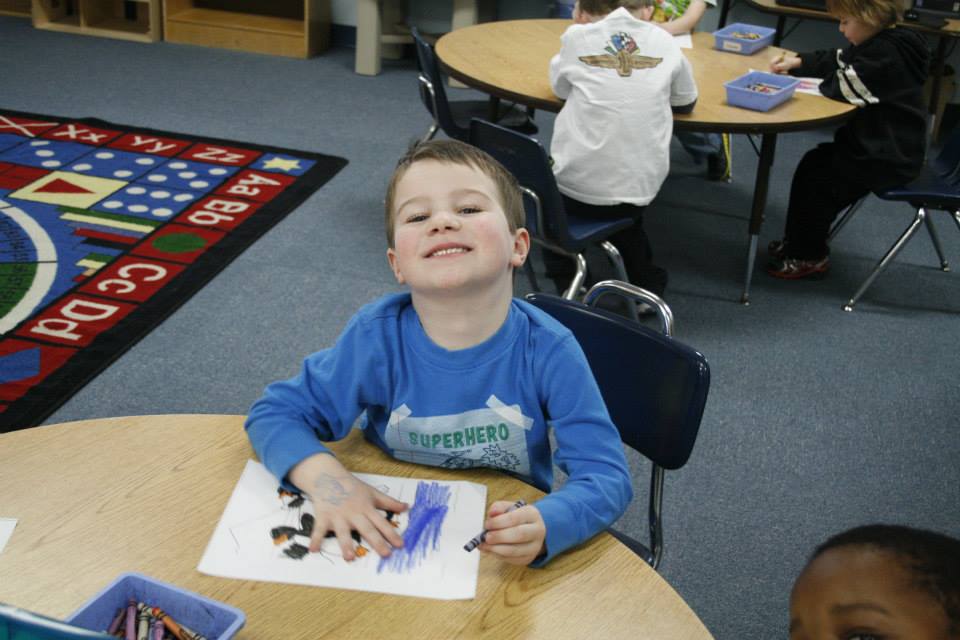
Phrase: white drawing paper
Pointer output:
(261, 537)
(7, 525)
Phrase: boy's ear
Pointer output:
(394, 265)
(521, 247)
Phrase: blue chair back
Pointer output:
(655, 387)
(947, 163)
(439, 106)
(529, 163)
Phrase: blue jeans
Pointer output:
(700, 145)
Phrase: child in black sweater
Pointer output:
(882, 73)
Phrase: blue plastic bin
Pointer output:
(214, 620)
(739, 95)
(731, 38)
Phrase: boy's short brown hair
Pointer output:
(876, 13)
(603, 7)
(456, 152)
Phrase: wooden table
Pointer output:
(100, 497)
(511, 60)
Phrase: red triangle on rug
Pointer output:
(59, 185)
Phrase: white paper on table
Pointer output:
(685, 40)
(7, 525)
(807, 85)
(432, 563)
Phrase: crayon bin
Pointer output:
(214, 620)
(738, 95)
(726, 40)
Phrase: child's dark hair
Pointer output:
(933, 559)
(456, 152)
(603, 7)
(876, 13)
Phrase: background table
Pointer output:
(100, 497)
(511, 60)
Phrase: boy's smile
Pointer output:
(450, 230)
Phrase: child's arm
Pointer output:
(563, 62)
(598, 487)
(785, 62)
(683, 87)
(686, 22)
(342, 503)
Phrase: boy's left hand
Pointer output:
(516, 536)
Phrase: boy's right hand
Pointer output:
(784, 63)
(342, 504)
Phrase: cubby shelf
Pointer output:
(254, 26)
(20, 8)
(138, 21)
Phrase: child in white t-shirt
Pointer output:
(622, 78)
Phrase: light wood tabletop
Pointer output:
(98, 498)
(511, 60)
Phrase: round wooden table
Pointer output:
(98, 498)
(511, 60)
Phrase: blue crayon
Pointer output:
(480, 537)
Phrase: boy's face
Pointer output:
(856, 31)
(860, 593)
(450, 230)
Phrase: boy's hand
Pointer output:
(516, 536)
(784, 63)
(342, 504)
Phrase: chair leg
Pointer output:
(614, 254)
(935, 239)
(845, 218)
(578, 278)
(430, 133)
(956, 218)
(656, 518)
(890, 255)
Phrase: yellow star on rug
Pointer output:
(280, 163)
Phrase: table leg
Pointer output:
(778, 35)
(768, 146)
(493, 108)
(369, 27)
(724, 12)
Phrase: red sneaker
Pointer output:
(796, 269)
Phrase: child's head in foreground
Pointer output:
(446, 201)
(879, 582)
(860, 20)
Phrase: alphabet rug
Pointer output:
(106, 229)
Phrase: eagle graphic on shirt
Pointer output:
(621, 55)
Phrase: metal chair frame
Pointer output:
(696, 378)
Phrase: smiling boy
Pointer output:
(456, 373)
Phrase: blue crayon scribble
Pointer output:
(429, 509)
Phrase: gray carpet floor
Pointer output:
(817, 419)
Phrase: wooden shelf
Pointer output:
(256, 27)
(20, 8)
(106, 18)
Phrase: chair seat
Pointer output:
(584, 232)
(512, 117)
(930, 191)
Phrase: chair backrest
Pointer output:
(430, 72)
(529, 163)
(20, 624)
(655, 387)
